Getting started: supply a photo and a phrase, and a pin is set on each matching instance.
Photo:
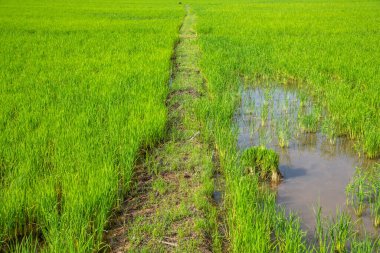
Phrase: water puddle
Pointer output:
(219, 184)
(217, 196)
(316, 168)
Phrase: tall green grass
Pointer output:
(82, 89)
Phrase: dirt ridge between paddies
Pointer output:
(170, 207)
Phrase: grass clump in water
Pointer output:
(262, 161)
(309, 122)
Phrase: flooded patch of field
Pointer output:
(316, 165)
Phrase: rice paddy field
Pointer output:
(83, 86)
(193, 106)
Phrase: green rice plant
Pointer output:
(371, 142)
(309, 122)
(321, 233)
(375, 209)
(333, 235)
(263, 162)
(340, 232)
(283, 139)
(27, 244)
(328, 128)
(286, 104)
(252, 127)
(373, 180)
(303, 100)
(264, 113)
(255, 225)
(283, 132)
(365, 245)
(363, 190)
(264, 137)
(288, 234)
(357, 192)
(268, 95)
(249, 106)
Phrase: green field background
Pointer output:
(83, 87)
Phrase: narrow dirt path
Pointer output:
(170, 208)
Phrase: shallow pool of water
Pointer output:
(316, 169)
